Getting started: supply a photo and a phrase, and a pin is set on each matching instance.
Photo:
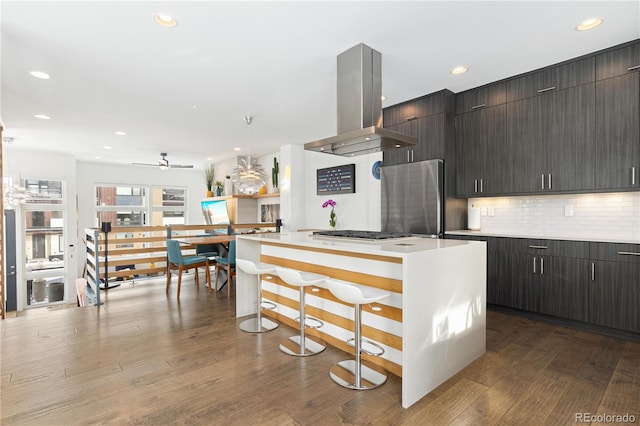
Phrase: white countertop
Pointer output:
(596, 239)
(396, 247)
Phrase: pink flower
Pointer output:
(329, 203)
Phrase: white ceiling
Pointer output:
(185, 90)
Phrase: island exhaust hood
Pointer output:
(360, 128)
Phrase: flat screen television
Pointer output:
(215, 212)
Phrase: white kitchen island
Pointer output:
(432, 325)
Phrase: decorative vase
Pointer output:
(218, 192)
(209, 194)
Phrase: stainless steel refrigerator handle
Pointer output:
(534, 264)
(593, 271)
(542, 181)
(549, 187)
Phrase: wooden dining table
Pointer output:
(222, 239)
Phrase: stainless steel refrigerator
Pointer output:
(412, 198)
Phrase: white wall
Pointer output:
(360, 210)
(614, 216)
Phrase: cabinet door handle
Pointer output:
(542, 265)
(633, 175)
(628, 253)
(637, 67)
(593, 271)
(478, 106)
(412, 156)
(534, 264)
(549, 187)
(547, 89)
(475, 185)
(413, 117)
(538, 247)
(407, 156)
(481, 186)
(542, 181)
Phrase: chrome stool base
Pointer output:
(344, 374)
(312, 346)
(255, 325)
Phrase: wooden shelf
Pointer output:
(228, 197)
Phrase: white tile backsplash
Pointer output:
(611, 215)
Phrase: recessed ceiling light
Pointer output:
(120, 133)
(165, 20)
(42, 117)
(237, 149)
(106, 147)
(40, 74)
(459, 70)
(97, 157)
(589, 24)
(209, 158)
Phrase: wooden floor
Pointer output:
(145, 358)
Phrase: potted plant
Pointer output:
(219, 188)
(208, 178)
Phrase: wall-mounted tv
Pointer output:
(215, 212)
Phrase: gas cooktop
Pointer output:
(369, 235)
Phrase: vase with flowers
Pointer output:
(332, 215)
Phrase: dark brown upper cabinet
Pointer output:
(618, 119)
(481, 97)
(551, 79)
(483, 155)
(431, 104)
(618, 62)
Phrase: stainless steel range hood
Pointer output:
(360, 128)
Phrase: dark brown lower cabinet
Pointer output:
(614, 295)
(564, 290)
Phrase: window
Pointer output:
(137, 206)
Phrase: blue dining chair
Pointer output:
(228, 264)
(175, 260)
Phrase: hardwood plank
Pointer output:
(145, 358)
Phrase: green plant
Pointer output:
(219, 185)
(274, 172)
(208, 176)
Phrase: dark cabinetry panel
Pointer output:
(430, 132)
(434, 103)
(483, 154)
(481, 97)
(617, 157)
(618, 62)
(564, 288)
(551, 79)
(614, 295)
(553, 141)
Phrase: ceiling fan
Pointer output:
(163, 163)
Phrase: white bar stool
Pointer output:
(351, 373)
(302, 345)
(257, 324)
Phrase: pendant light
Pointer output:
(249, 175)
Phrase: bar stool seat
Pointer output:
(302, 345)
(352, 373)
(257, 324)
